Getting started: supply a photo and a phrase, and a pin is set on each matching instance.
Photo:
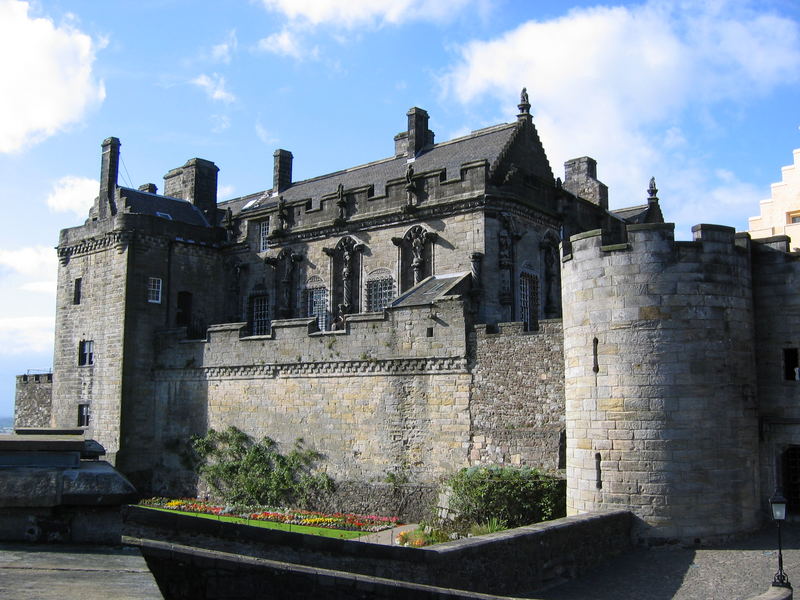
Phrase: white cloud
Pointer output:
(223, 52)
(20, 335)
(214, 87)
(356, 13)
(616, 83)
(287, 43)
(40, 287)
(225, 192)
(220, 123)
(47, 76)
(265, 136)
(32, 261)
(73, 194)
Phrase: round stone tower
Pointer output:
(660, 389)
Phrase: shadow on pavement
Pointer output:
(740, 569)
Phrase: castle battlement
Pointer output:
(432, 331)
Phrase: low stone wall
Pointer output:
(410, 501)
(509, 562)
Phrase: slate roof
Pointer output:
(483, 144)
(145, 203)
(643, 213)
(430, 289)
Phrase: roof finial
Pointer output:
(652, 190)
(524, 103)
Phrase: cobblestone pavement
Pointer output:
(62, 572)
(734, 571)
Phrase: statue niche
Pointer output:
(416, 256)
(346, 269)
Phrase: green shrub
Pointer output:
(516, 496)
(244, 471)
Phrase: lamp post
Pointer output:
(778, 505)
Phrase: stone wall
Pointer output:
(776, 277)
(33, 400)
(517, 402)
(661, 408)
(388, 396)
(516, 561)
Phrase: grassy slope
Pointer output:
(323, 531)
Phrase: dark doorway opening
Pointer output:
(791, 479)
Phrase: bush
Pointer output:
(515, 496)
(243, 471)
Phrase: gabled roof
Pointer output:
(173, 209)
(483, 144)
(643, 213)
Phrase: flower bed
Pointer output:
(341, 521)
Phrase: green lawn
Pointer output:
(323, 531)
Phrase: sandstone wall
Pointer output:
(660, 392)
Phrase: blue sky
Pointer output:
(705, 96)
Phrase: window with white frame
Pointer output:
(263, 236)
(259, 315)
(380, 290)
(317, 305)
(154, 290)
(85, 353)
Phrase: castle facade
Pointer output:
(455, 304)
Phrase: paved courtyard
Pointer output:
(734, 571)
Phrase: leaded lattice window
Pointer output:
(317, 305)
(380, 293)
(259, 315)
(529, 300)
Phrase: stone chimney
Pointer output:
(580, 178)
(418, 136)
(196, 181)
(109, 170)
(281, 171)
(150, 188)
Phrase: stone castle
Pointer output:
(455, 304)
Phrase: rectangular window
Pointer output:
(154, 290)
(380, 293)
(317, 306)
(83, 415)
(259, 315)
(263, 236)
(76, 291)
(790, 364)
(86, 353)
(529, 300)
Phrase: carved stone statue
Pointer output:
(523, 96)
(411, 189)
(341, 202)
(652, 190)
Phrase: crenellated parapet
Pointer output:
(660, 392)
(411, 340)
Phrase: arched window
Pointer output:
(316, 301)
(379, 290)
